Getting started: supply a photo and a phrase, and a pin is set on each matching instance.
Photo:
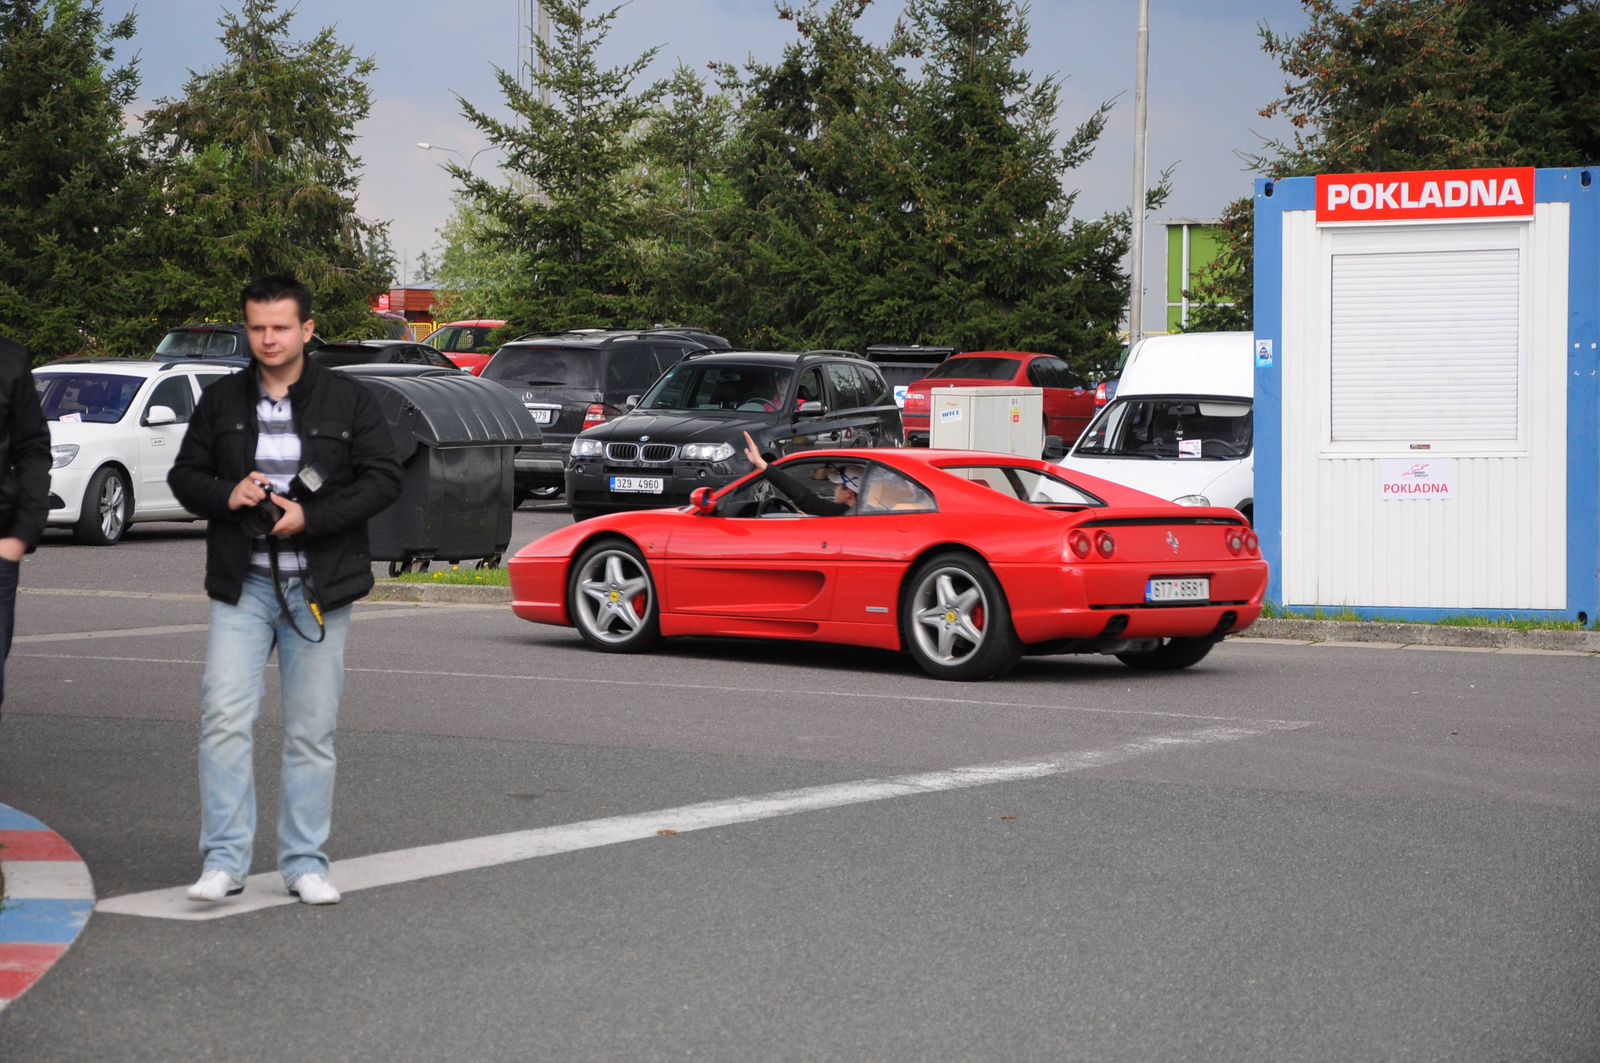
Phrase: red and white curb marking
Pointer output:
(48, 898)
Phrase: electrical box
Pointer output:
(1002, 420)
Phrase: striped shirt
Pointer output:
(278, 457)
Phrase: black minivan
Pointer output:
(688, 430)
(574, 380)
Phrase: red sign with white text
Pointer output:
(1425, 194)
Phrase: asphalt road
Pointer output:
(1372, 854)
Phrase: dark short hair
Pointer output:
(275, 286)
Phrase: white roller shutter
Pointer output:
(1425, 346)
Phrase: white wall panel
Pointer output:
(1500, 542)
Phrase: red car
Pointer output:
(466, 343)
(967, 560)
(1068, 401)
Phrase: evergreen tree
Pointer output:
(930, 208)
(259, 174)
(683, 184)
(990, 217)
(73, 188)
(477, 267)
(569, 215)
(1416, 85)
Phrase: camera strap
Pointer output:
(311, 600)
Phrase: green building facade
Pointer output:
(1192, 245)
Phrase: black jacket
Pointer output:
(807, 500)
(24, 449)
(342, 431)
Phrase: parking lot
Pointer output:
(1287, 852)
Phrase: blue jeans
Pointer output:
(240, 643)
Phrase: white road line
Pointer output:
(388, 612)
(429, 861)
(713, 689)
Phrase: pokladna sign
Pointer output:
(1425, 195)
(1403, 479)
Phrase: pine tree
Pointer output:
(569, 214)
(74, 190)
(259, 173)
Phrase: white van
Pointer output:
(1179, 426)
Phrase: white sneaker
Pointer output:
(313, 888)
(214, 885)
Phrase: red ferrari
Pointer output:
(966, 560)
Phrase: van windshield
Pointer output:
(1170, 427)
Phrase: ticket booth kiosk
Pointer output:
(1427, 412)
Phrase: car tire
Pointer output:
(611, 598)
(1172, 655)
(107, 505)
(955, 621)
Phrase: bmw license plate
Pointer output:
(1178, 590)
(543, 416)
(649, 485)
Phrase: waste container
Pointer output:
(455, 436)
(903, 366)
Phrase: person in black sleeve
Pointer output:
(314, 443)
(24, 481)
(846, 485)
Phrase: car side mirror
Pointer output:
(700, 500)
(1054, 449)
(809, 408)
(632, 402)
(159, 415)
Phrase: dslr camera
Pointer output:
(258, 520)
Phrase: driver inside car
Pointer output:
(846, 484)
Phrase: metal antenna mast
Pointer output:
(533, 23)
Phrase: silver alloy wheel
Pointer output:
(614, 596)
(113, 499)
(950, 611)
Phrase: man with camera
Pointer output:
(287, 461)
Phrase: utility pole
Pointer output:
(1141, 79)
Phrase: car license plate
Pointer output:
(650, 485)
(543, 416)
(1178, 590)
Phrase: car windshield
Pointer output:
(199, 343)
(697, 386)
(1186, 428)
(466, 339)
(977, 369)
(1028, 485)
(98, 398)
(334, 355)
(572, 367)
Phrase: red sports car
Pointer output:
(1068, 401)
(967, 560)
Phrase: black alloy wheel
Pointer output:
(955, 620)
(1171, 655)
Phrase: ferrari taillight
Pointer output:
(1078, 543)
(1251, 543)
(1235, 540)
(1105, 544)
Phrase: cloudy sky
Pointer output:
(1208, 80)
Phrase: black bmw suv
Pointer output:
(574, 380)
(688, 430)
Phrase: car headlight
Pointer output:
(62, 454)
(708, 451)
(585, 448)
(1193, 500)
